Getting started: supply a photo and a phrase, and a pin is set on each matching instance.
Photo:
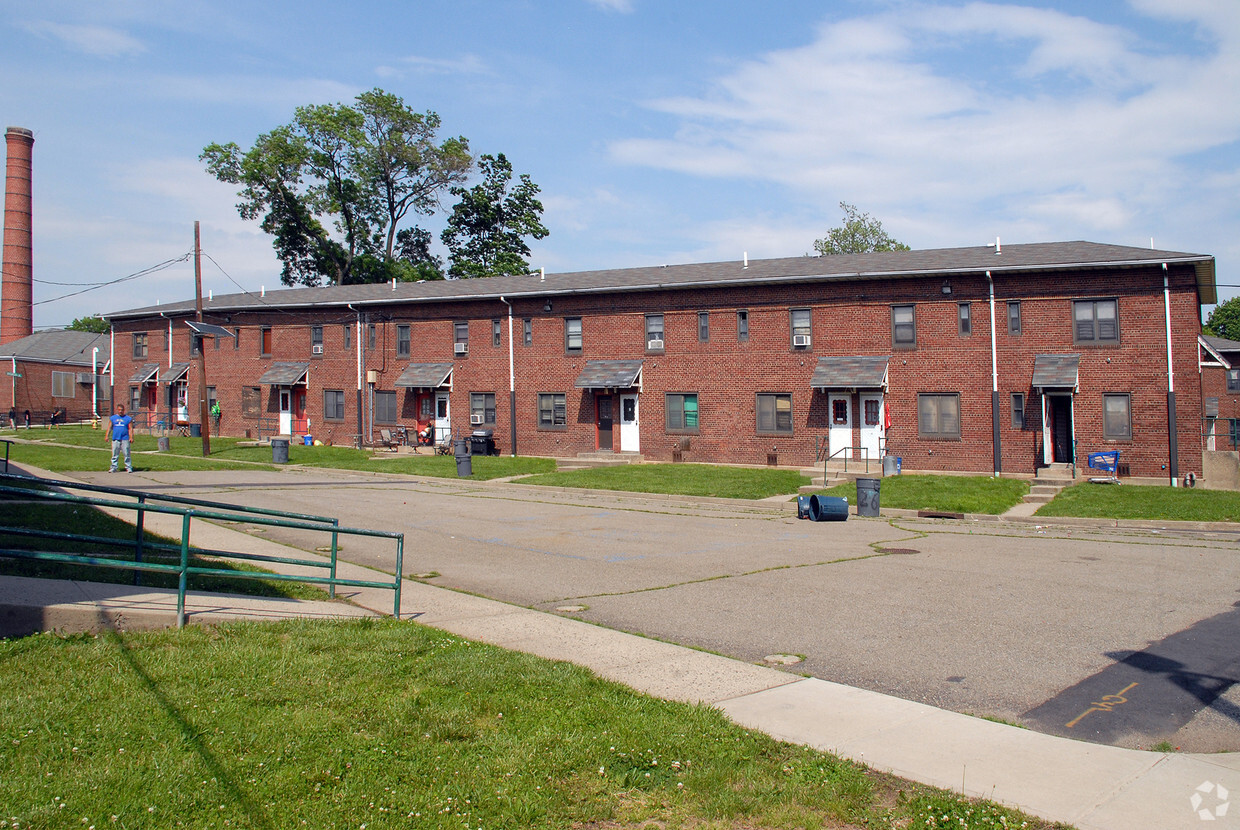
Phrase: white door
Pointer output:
(443, 419)
(871, 425)
(286, 412)
(841, 434)
(629, 431)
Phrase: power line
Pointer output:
(94, 286)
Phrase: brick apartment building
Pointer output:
(1220, 391)
(51, 371)
(969, 359)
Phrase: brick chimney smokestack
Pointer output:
(16, 292)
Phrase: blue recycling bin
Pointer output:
(1106, 461)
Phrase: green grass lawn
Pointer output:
(680, 479)
(1126, 501)
(87, 521)
(383, 724)
(955, 494)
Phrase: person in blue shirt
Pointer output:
(119, 429)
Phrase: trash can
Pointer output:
(803, 507)
(867, 496)
(163, 443)
(279, 450)
(195, 430)
(890, 467)
(828, 509)
(464, 463)
(308, 440)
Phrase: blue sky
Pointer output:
(658, 132)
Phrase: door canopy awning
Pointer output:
(284, 374)
(1056, 371)
(208, 328)
(862, 372)
(425, 376)
(610, 374)
(146, 374)
(174, 373)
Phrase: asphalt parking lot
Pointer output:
(1113, 635)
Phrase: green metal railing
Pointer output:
(171, 505)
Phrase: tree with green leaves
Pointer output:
(860, 234)
(1224, 320)
(336, 186)
(488, 226)
(95, 325)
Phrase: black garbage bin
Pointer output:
(867, 496)
(195, 430)
(279, 450)
(464, 462)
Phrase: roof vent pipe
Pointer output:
(393, 283)
(542, 274)
(262, 291)
(210, 295)
(745, 257)
(998, 246)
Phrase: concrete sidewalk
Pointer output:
(1088, 785)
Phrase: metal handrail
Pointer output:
(865, 451)
(224, 512)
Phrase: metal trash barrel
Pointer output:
(464, 463)
(279, 450)
(867, 496)
(195, 430)
(828, 509)
(163, 443)
(891, 465)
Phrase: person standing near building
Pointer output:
(13, 417)
(119, 430)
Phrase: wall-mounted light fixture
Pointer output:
(547, 307)
(947, 287)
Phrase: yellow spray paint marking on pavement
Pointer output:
(1108, 703)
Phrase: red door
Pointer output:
(300, 423)
(152, 405)
(605, 420)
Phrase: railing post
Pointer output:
(335, 548)
(140, 538)
(400, 566)
(184, 577)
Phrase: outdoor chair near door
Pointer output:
(385, 438)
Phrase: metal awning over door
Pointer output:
(425, 376)
(174, 373)
(860, 372)
(284, 374)
(1056, 371)
(610, 374)
(146, 374)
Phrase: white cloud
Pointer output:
(467, 64)
(99, 41)
(624, 6)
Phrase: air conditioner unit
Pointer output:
(317, 348)
(85, 377)
(476, 418)
(800, 340)
(461, 348)
(654, 344)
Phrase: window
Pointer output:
(497, 336)
(527, 331)
(903, 327)
(775, 414)
(217, 342)
(252, 402)
(682, 412)
(1018, 410)
(871, 412)
(210, 398)
(552, 412)
(1233, 380)
(62, 384)
(265, 341)
(802, 328)
(938, 415)
(402, 341)
(966, 322)
(135, 398)
(370, 336)
(139, 345)
(482, 403)
(1097, 321)
(1013, 316)
(654, 332)
(572, 334)
(742, 326)
(333, 404)
(839, 411)
(385, 407)
(195, 344)
(236, 339)
(316, 340)
(703, 326)
(166, 334)
(460, 337)
(346, 336)
(1117, 417)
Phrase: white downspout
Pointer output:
(112, 362)
(94, 382)
(512, 386)
(1173, 465)
(994, 378)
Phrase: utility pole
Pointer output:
(202, 349)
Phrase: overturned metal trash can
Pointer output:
(464, 463)
(867, 496)
(828, 509)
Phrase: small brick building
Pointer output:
(1220, 391)
(967, 359)
(55, 372)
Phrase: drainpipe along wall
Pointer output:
(994, 382)
(1173, 462)
(512, 387)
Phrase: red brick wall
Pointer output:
(33, 391)
(849, 318)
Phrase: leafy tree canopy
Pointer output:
(1224, 320)
(860, 234)
(487, 229)
(91, 324)
(335, 187)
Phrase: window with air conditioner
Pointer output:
(460, 348)
(654, 332)
(800, 341)
(802, 327)
(482, 408)
(476, 418)
(317, 348)
(316, 340)
(460, 337)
